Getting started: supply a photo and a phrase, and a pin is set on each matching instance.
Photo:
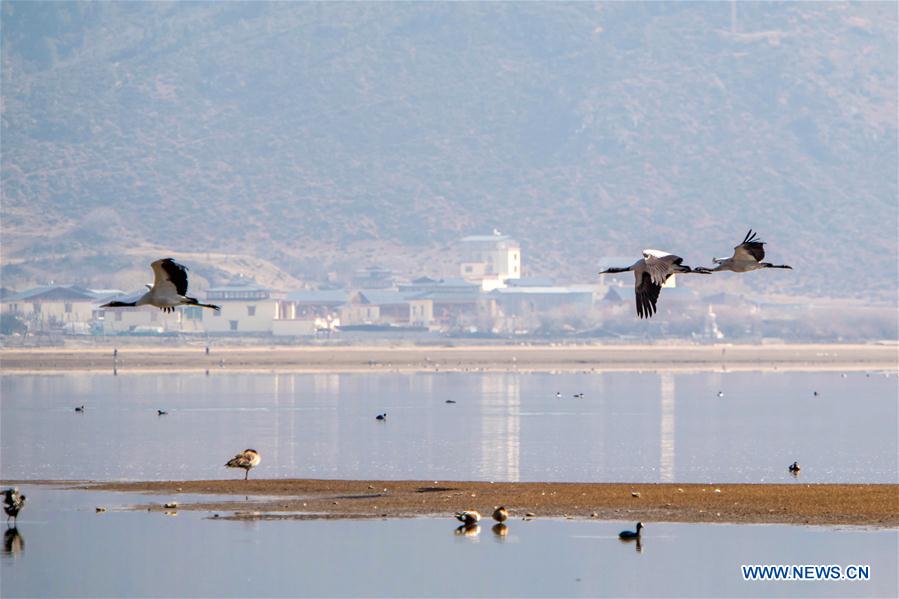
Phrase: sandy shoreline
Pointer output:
(443, 358)
(793, 503)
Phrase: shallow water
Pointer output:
(64, 548)
(628, 427)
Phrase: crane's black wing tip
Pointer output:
(646, 294)
(177, 274)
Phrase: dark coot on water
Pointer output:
(630, 534)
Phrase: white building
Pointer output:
(246, 308)
(147, 320)
(489, 259)
(50, 307)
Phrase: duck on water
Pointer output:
(630, 534)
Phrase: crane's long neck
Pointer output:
(119, 304)
(193, 302)
(615, 269)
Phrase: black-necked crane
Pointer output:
(747, 256)
(13, 503)
(246, 459)
(168, 291)
(650, 273)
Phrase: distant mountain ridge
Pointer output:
(322, 137)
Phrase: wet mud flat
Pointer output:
(794, 503)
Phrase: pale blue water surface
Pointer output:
(64, 548)
(629, 426)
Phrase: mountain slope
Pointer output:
(322, 137)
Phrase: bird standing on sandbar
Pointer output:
(13, 503)
(650, 273)
(468, 517)
(169, 289)
(247, 459)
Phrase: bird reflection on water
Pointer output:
(500, 531)
(13, 542)
(639, 545)
(468, 530)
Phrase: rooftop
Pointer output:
(239, 287)
(319, 296)
(554, 290)
(52, 292)
(495, 238)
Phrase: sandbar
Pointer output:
(875, 505)
(470, 358)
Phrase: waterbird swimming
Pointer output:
(501, 514)
(247, 459)
(468, 517)
(169, 289)
(381, 417)
(13, 503)
(650, 273)
(630, 534)
(79, 408)
(161, 412)
(747, 256)
(794, 468)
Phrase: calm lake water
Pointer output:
(628, 427)
(63, 548)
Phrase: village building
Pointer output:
(246, 308)
(144, 320)
(310, 312)
(489, 260)
(387, 307)
(373, 277)
(358, 310)
(540, 297)
(53, 307)
(447, 303)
